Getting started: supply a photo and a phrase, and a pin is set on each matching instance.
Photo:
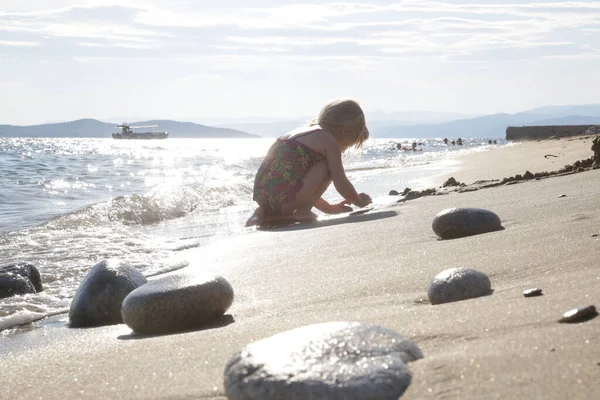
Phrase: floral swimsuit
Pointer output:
(279, 178)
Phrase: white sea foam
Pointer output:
(23, 317)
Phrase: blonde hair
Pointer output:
(345, 121)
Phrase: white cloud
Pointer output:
(11, 84)
(401, 27)
(19, 43)
(207, 45)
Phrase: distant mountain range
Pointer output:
(415, 124)
(93, 128)
(423, 124)
(377, 120)
(494, 126)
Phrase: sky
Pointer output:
(204, 60)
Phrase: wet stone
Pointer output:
(177, 302)
(13, 285)
(98, 298)
(460, 222)
(579, 314)
(532, 292)
(19, 278)
(333, 361)
(456, 284)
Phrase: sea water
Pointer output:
(67, 203)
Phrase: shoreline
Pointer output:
(377, 271)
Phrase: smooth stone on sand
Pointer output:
(177, 302)
(330, 361)
(579, 314)
(98, 298)
(19, 278)
(457, 284)
(532, 292)
(459, 222)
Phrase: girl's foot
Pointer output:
(259, 217)
(256, 218)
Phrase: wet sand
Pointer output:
(375, 268)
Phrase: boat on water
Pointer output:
(127, 132)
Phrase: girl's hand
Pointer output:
(365, 200)
(340, 207)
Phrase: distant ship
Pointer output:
(128, 133)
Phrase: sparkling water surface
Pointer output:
(68, 203)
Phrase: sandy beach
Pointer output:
(375, 268)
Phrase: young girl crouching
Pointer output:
(301, 165)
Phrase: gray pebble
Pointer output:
(330, 361)
(562, 195)
(579, 314)
(532, 292)
(459, 222)
(177, 302)
(594, 235)
(98, 298)
(457, 284)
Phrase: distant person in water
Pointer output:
(414, 146)
(445, 140)
(459, 142)
(301, 165)
(453, 143)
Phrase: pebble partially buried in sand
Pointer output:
(533, 292)
(579, 314)
(455, 223)
(330, 361)
(457, 284)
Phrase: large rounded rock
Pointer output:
(19, 278)
(177, 302)
(14, 284)
(460, 222)
(457, 284)
(335, 360)
(98, 298)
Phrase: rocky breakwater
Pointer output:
(19, 278)
(547, 131)
(98, 298)
(329, 361)
(177, 302)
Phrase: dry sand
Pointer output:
(377, 270)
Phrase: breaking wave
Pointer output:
(152, 208)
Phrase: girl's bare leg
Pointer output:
(314, 184)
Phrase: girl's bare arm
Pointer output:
(338, 175)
